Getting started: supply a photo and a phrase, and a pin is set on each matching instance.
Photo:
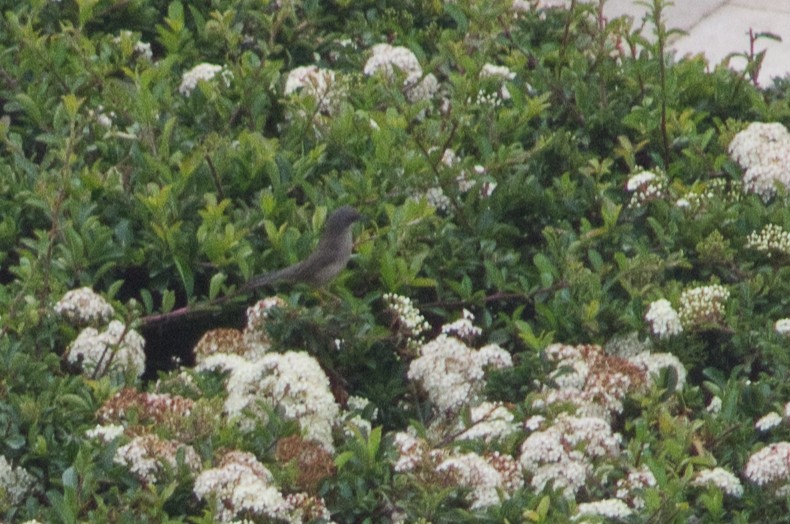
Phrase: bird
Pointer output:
(328, 258)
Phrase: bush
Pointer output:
(568, 298)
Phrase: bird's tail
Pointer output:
(266, 279)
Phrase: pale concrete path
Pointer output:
(720, 27)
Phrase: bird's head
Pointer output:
(341, 218)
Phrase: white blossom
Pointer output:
(106, 433)
(564, 452)
(205, 72)
(609, 508)
(499, 75)
(240, 486)
(255, 334)
(437, 199)
(664, 320)
(472, 471)
(293, 383)
(631, 487)
(144, 50)
(317, 83)
(452, 373)
(489, 421)
(721, 479)
(118, 349)
(409, 320)
(84, 306)
(412, 452)
(763, 151)
(15, 483)
(386, 58)
(653, 363)
(586, 377)
(782, 326)
(771, 239)
(703, 305)
(148, 457)
(422, 90)
(770, 465)
(769, 421)
(645, 187)
(463, 327)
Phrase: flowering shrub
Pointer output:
(567, 303)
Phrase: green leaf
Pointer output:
(215, 285)
(168, 300)
(374, 441)
(458, 16)
(70, 478)
(343, 459)
(187, 277)
(148, 300)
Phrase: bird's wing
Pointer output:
(285, 274)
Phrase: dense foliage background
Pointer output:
(121, 174)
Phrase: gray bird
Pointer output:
(328, 258)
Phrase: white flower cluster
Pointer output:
(106, 433)
(490, 478)
(465, 182)
(409, 322)
(631, 487)
(452, 373)
(118, 349)
(609, 508)
(221, 340)
(205, 72)
(714, 190)
(140, 409)
(499, 75)
(782, 326)
(772, 239)
(293, 383)
(719, 478)
(315, 82)
(769, 421)
(525, 6)
(143, 49)
(763, 151)
(770, 466)
(437, 199)
(360, 412)
(463, 327)
(102, 118)
(436, 196)
(252, 343)
(490, 422)
(703, 305)
(386, 58)
(140, 48)
(597, 383)
(564, 452)
(714, 406)
(645, 187)
(481, 476)
(15, 483)
(586, 377)
(653, 363)
(664, 320)
(241, 485)
(413, 453)
(255, 335)
(83, 306)
(148, 457)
